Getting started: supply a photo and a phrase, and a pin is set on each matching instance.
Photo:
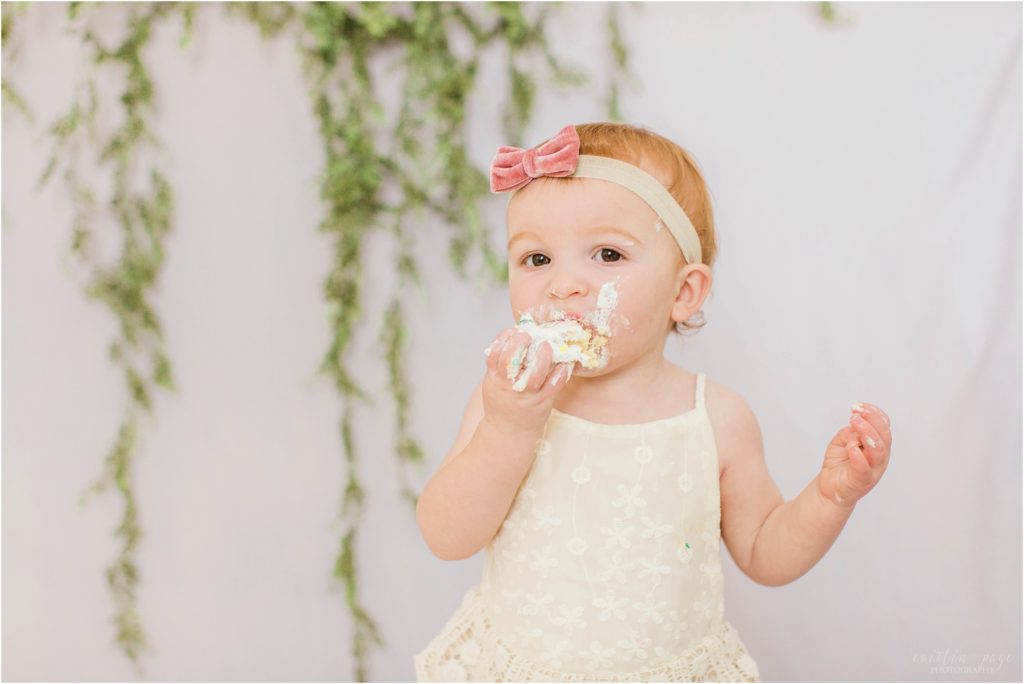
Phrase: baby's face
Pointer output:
(573, 238)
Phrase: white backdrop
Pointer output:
(867, 189)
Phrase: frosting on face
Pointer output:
(573, 338)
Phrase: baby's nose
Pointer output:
(565, 287)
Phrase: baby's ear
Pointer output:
(693, 286)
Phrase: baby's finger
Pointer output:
(848, 436)
(859, 463)
(525, 372)
(876, 417)
(559, 377)
(498, 340)
(541, 366)
(496, 348)
(512, 357)
(874, 448)
(494, 351)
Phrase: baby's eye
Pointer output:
(529, 259)
(609, 252)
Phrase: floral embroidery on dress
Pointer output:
(545, 519)
(607, 564)
(543, 561)
(616, 568)
(643, 454)
(536, 604)
(618, 534)
(652, 568)
(577, 546)
(530, 633)
(654, 528)
(678, 625)
(629, 499)
(570, 617)
(651, 609)
(552, 650)
(611, 605)
(703, 607)
(581, 475)
(597, 656)
(709, 572)
(635, 646)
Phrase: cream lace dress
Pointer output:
(607, 566)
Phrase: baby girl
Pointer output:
(599, 477)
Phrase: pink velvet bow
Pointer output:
(514, 167)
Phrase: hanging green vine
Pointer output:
(144, 217)
(427, 167)
(620, 68)
(10, 11)
(829, 15)
(337, 46)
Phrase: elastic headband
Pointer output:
(513, 168)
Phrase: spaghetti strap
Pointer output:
(699, 401)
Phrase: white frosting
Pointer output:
(570, 340)
(558, 334)
(607, 300)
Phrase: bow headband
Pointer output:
(513, 168)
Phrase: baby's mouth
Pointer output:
(597, 321)
(573, 336)
(550, 315)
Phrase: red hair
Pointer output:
(664, 160)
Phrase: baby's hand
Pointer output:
(857, 456)
(521, 382)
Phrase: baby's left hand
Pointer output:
(857, 456)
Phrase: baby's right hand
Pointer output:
(514, 411)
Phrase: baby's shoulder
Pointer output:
(732, 420)
(721, 399)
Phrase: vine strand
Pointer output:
(427, 167)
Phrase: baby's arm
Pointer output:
(775, 541)
(464, 504)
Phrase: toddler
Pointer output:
(598, 476)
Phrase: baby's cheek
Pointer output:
(621, 323)
(523, 305)
(622, 319)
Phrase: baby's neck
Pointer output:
(645, 390)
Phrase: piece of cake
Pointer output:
(573, 339)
